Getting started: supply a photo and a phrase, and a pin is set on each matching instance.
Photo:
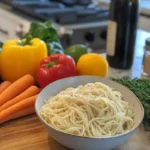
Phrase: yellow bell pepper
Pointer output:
(18, 60)
(0, 64)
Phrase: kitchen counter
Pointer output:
(145, 8)
(28, 133)
(136, 70)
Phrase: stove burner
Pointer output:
(79, 21)
(74, 2)
(61, 11)
(39, 4)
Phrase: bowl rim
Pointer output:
(101, 138)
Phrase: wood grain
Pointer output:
(28, 133)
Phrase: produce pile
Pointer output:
(28, 65)
(141, 88)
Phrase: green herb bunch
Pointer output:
(141, 88)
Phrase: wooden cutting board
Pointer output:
(28, 133)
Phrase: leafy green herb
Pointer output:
(141, 88)
(48, 33)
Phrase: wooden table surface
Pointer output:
(28, 133)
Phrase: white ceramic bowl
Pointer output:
(82, 143)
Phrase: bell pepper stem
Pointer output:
(28, 40)
(52, 63)
(1, 45)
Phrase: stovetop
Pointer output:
(60, 11)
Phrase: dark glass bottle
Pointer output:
(121, 34)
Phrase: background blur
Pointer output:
(78, 21)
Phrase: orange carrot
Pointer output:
(31, 91)
(16, 88)
(18, 114)
(26, 103)
(4, 85)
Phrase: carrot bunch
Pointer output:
(17, 99)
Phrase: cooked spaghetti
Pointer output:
(92, 110)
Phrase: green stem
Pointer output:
(52, 63)
(1, 45)
(27, 40)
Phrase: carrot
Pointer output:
(18, 114)
(16, 88)
(31, 91)
(26, 103)
(4, 85)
